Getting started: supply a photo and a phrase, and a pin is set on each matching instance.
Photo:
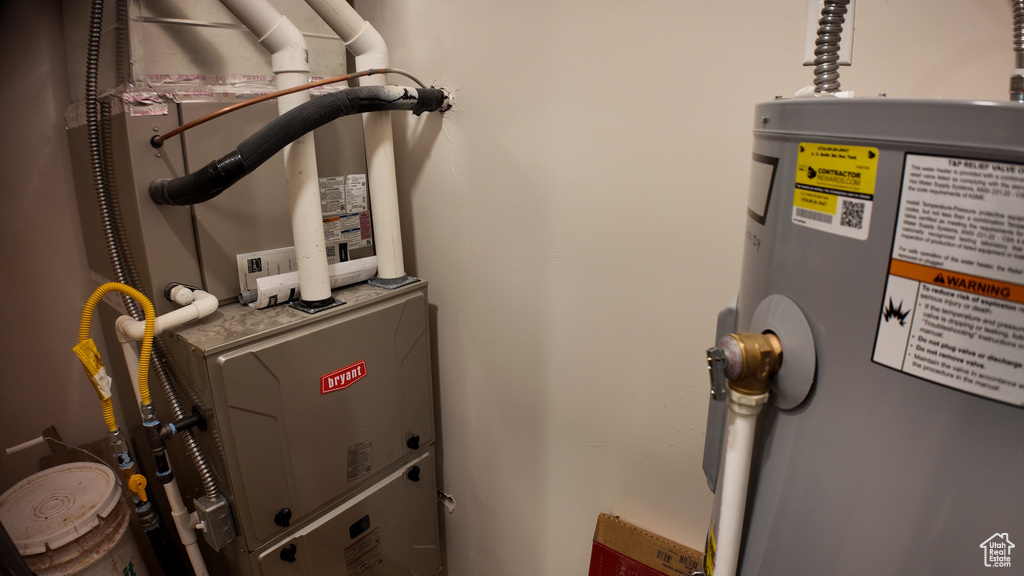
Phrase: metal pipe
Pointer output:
(1017, 79)
(117, 247)
(826, 51)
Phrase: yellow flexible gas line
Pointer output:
(89, 355)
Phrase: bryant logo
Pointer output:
(341, 379)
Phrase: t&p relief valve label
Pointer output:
(953, 310)
(835, 187)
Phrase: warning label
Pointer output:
(346, 215)
(835, 188)
(953, 311)
(365, 556)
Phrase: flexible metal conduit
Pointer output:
(1017, 79)
(1018, 32)
(826, 51)
(118, 252)
(215, 177)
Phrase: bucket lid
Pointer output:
(59, 504)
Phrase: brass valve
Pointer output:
(752, 359)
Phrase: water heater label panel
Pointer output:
(953, 310)
(835, 188)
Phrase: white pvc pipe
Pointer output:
(131, 358)
(128, 332)
(304, 196)
(203, 304)
(370, 51)
(290, 61)
(735, 478)
(186, 524)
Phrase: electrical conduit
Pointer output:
(370, 51)
(290, 62)
(117, 249)
(1017, 78)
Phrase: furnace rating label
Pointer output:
(953, 311)
(345, 208)
(835, 188)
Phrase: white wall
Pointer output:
(579, 218)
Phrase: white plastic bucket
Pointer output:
(71, 519)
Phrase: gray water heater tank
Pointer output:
(897, 229)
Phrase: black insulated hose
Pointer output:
(212, 179)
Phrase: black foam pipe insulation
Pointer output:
(217, 176)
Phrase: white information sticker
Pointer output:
(345, 206)
(953, 310)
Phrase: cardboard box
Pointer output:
(622, 549)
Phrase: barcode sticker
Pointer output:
(835, 188)
(812, 215)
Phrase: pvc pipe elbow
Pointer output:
(287, 47)
(123, 327)
(203, 304)
(370, 50)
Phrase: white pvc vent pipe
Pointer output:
(290, 61)
(370, 51)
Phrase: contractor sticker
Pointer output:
(953, 310)
(835, 187)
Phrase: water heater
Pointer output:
(891, 234)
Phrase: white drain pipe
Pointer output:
(290, 61)
(751, 360)
(370, 51)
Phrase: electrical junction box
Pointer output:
(622, 548)
(321, 431)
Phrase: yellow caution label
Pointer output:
(835, 187)
(89, 355)
(709, 552)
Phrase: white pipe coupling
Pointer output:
(746, 404)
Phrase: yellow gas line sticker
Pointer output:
(835, 188)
